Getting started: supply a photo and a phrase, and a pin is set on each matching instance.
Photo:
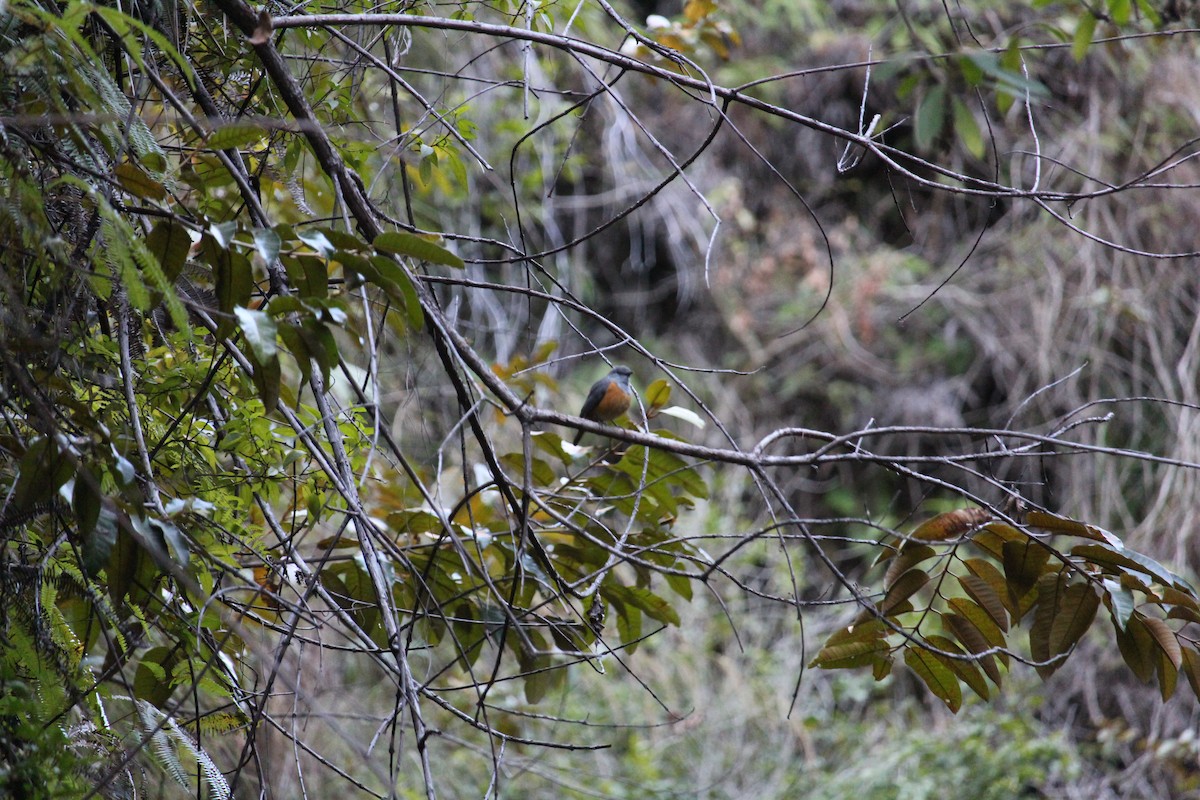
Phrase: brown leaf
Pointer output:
(951, 524)
(974, 642)
(1165, 638)
(1191, 668)
(1024, 562)
(909, 556)
(1137, 647)
(905, 587)
(982, 592)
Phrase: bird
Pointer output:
(608, 398)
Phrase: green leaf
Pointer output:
(322, 346)
(267, 379)
(656, 395)
(229, 137)
(169, 242)
(629, 624)
(543, 679)
(415, 521)
(540, 471)
(99, 541)
(930, 117)
(1120, 10)
(295, 343)
(267, 243)
(131, 572)
(160, 533)
(260, 330)
(414, 314)
(851, 655)
(1120, 602)
(967, 671)
(1084, 33)
(85, 501)
(971, 66)
(680, 584)
(282, 305)
(223, 233)
(992, 537)
(871, 629)
(661, 473)
(151, 682)
(234, 280)
(637, 597)
(346, 241)
(308, 275)
(318, 241)
(1151, 13)
(967, 129)
(1168, 676)
(43, 470)
(134, 180)
(940, 679)
(408, 244)
(1039, 631)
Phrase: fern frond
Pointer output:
(167, 738)
(160, 742)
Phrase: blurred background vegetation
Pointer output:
(941, 310)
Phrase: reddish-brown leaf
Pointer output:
(1165, 638)
(1067, 527)
(950, 525)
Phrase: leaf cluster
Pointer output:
(959, 586)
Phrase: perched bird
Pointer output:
(608, 398)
